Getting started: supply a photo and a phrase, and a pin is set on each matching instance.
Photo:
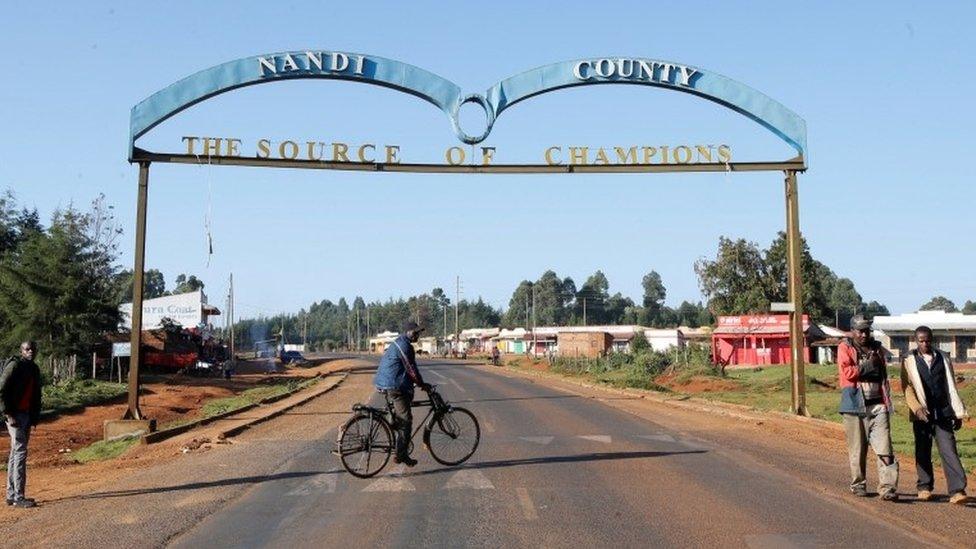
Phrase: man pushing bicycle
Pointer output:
(395, 377)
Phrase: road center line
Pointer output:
(455, 383)
(528, 508)
(436, 374)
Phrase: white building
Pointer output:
(953, 333)
(188, 310)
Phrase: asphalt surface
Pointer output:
(553, 469)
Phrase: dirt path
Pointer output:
(52, 475)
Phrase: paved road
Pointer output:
(554, 469)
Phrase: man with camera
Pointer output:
(865, 405)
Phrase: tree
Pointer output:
(969, 308)
(186, 284)
(844, 299)
(592, 298)
(874, 309)
(57, 285)
(939, 303)
(654, 295)
(737, 281)
(153, 285)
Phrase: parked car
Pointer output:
(289, 357)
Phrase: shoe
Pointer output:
(24, 503)
(12, 501)
(959, 498)
(889, 496)
(859, 491)
(408, 461)
(924, 495)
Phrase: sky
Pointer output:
(885, 89)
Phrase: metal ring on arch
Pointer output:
(489, 118)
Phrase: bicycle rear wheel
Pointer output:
(453, 436)
(365, 444)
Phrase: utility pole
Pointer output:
(305, 332)
(534, 345)
(457, 301)
(368, 332)
(230, 316)
(358, 338)
(584, 311)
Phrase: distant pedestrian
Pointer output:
(929, 382)
(865, 404)
(20, 403)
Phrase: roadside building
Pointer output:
(665, 339)
(189, 310)
(584, 344)
(696, 336)
(953, 333)
(758, 339)
(511, 341)
(427, 345)
(824, 351)
(478, 340)
(542, 340)
(381, 341)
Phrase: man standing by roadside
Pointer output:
(865, 404)
(929, 382)
(20, 403)
(395, 377)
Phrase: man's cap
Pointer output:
(411, 326)
(859, 323)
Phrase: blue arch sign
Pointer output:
(449, 98)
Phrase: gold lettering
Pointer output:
(391, 154)
(264, 149)
(601, 157)
(211, 146)
(232, 147)
(649, 153)
(289, 145)
(724, 153)
(664, 154)
(339, 151)
(578, 155)
(449, 156)
(362, 153)
(311, 146)
(549, 159)
(677, 154)
(704, 153)
(487, 154)
(629, 157)
(189, 143)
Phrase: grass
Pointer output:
(103, 449)
(252, 396)
(80, 392)
(769, 389)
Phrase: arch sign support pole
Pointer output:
(794, 258)
(448, 98)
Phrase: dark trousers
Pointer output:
(402, 419)
(17, 461)
(945, 439)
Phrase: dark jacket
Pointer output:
(17, 373)
(398, 367)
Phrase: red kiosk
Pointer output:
(758, 339)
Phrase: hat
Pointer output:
(411, 326)
(859, 323)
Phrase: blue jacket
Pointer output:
(398, 367)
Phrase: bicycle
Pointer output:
(366, 440)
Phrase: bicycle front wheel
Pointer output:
(453, 436)
(365, 444)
